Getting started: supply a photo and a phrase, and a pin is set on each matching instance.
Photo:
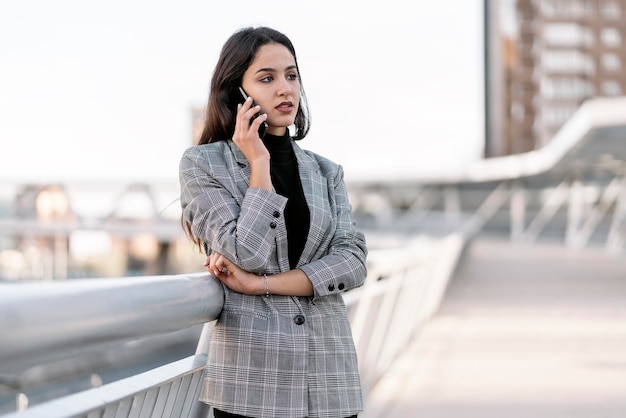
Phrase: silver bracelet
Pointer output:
(267, 286)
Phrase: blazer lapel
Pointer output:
(315, 188)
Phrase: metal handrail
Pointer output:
(44, 321)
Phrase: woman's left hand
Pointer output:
(233, 277)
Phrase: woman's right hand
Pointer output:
(246, 135)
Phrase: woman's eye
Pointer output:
(267, 79)
(292, 76)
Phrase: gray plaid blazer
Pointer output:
(277, 356)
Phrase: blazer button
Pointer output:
(331, 287)
(341, 286)
(273, 225)
(276, 214)
(298, 319)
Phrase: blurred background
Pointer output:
(503, 120)
(99, 101)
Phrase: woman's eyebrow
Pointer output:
(272, 70)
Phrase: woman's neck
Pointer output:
(278, 146)
(277, 130)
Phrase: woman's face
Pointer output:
(272, 81)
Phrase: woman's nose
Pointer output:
(284, 88)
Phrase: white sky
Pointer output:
(103, 90)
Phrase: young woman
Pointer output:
(277, 227)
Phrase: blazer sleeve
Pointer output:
(240, 227)
(343, 266)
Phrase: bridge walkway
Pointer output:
(523, 331)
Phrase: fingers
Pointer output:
(257, 123)
(246, 109)
(230, 274)
(219, 266)
(235, 279)
(245, 124)
(216, 264)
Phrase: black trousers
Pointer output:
(221, 414)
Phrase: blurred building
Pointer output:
(130, 230)
(544, 59)
(197, 124)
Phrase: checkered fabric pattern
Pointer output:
(279, 356)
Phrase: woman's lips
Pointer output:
(285, 107)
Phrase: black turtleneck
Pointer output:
(286, 181)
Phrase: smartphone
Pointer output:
(263, 127)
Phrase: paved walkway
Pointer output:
(532, 332)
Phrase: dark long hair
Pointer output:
(236, 56)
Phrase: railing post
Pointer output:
(518, 211)
(575, 211)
